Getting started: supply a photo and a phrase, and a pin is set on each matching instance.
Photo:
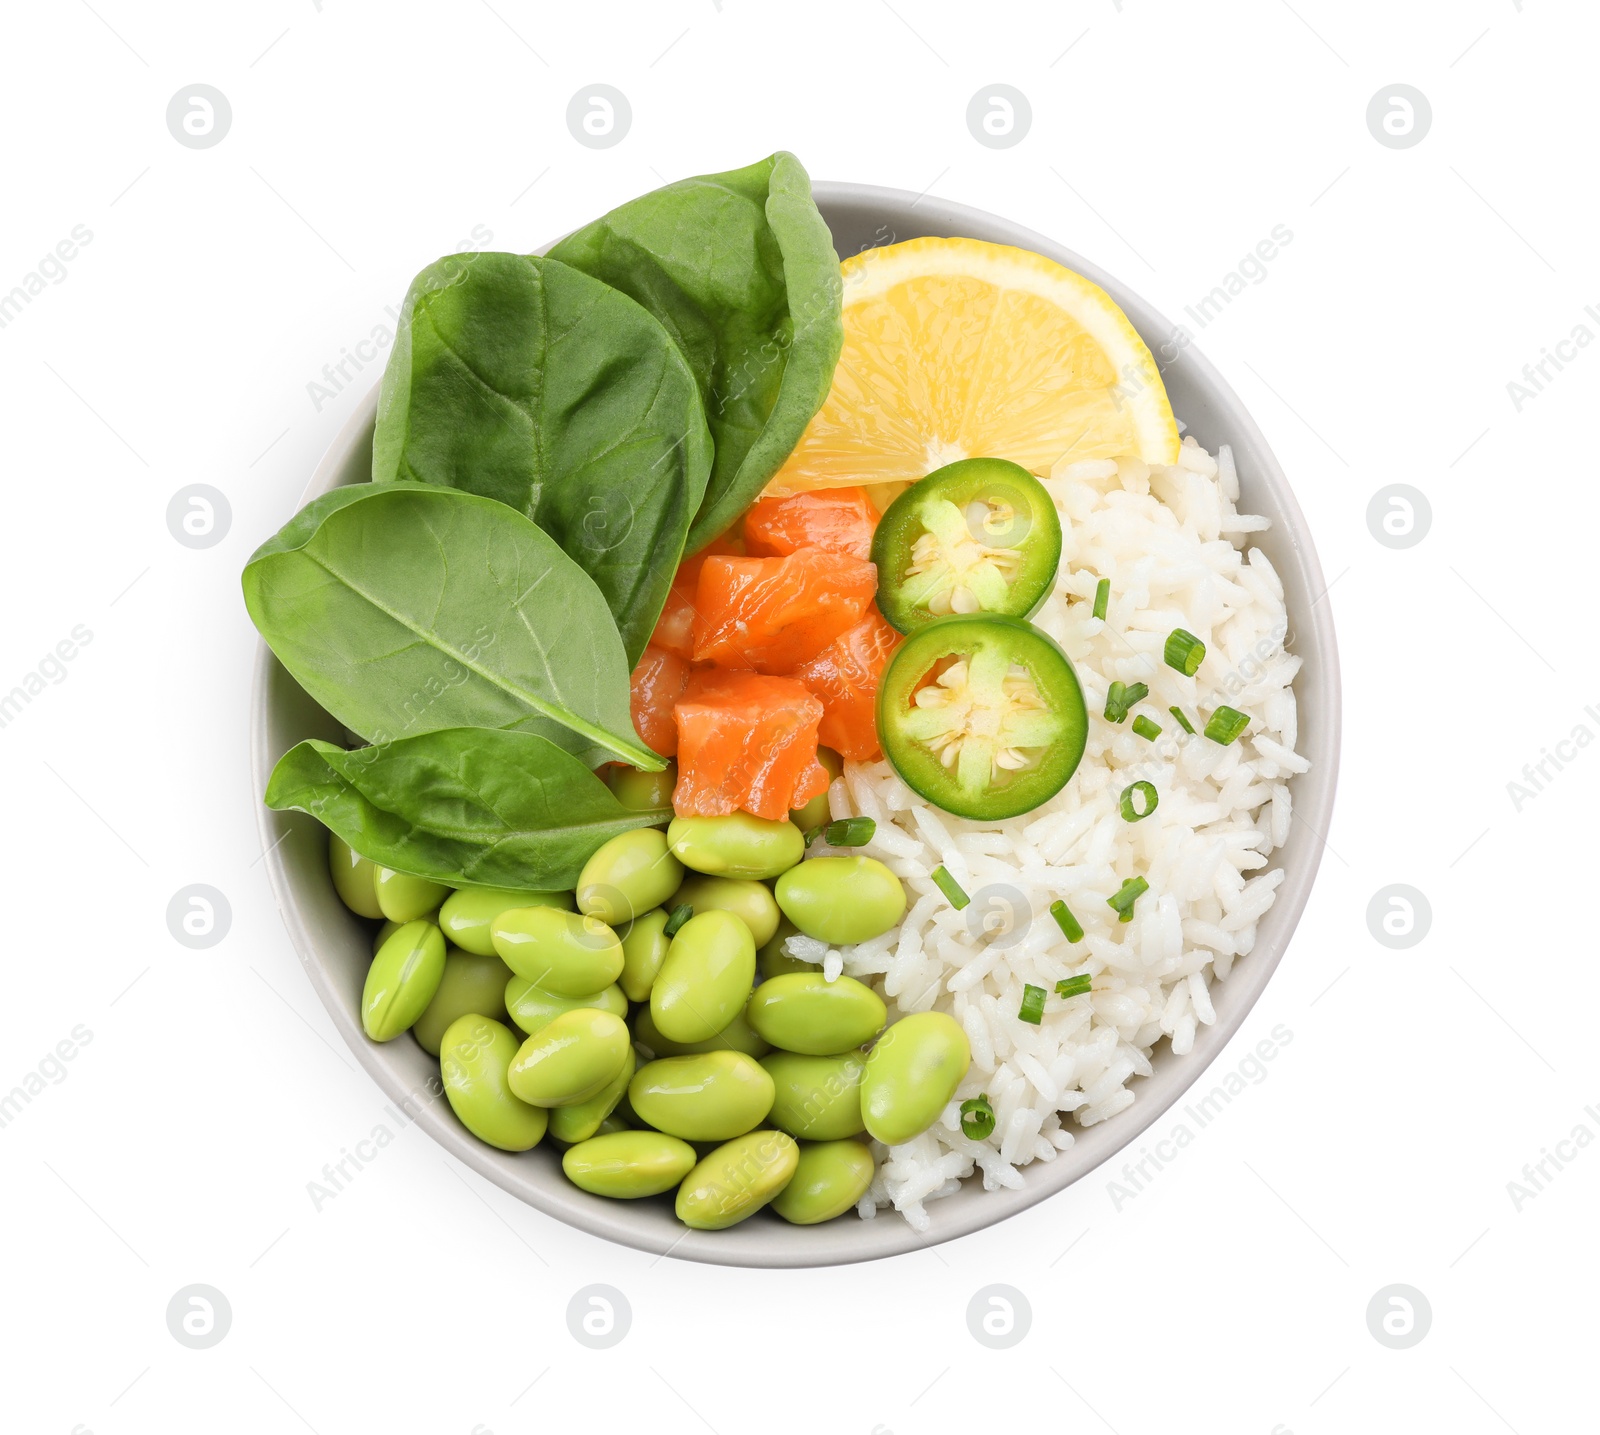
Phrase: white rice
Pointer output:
(1173, 546)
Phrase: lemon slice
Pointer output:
(958, 349)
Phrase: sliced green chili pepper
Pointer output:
(977, 536)
(982, 716)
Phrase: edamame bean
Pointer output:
(816, 1098)
(815, 813)
(774, 961)
(842, 900)
(583, 1119)
(564, 953)
(736, 1180)
(470, 984)
(752, 902)
(354, 878)
(805, 1012)
(402, 980)
(736, 1036)
(466, 915)
(627, 876)
(829, 1178)
(705, 978)
(387, 930)
(533, 1008)
(404, 898)
(713, 1097)
(644, 948)
(641, 791)
(737, 845)
(475, 1056)
(912, 1073)
(628, 1164)
(572, 1059)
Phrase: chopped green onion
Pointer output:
(1185, 652)
(850, 832)
(1146, 729)
(977, 1118)
(679, 916)
(1074, 986)
(1069, 925)
(951, 888)
(1225, 724)
(1102, 597)
(1032, 1005)
(1145, 790)
(813, 834)
(1183, 722)
(1122, 696)
(1126, 896)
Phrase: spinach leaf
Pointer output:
(525, 381)
(740, 269)
(466, 806)
(404, 608)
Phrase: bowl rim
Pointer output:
(888, 1235)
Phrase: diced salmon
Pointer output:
(674, 632)
(844, 678)
(837, 520)
(657, 684)
(675, 628)
(746, 742)
(772, 614)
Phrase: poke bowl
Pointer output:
(996, 898)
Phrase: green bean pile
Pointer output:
(662, 1035)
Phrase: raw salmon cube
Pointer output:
(746, 742)
(836, 520)
(657, 684)
(844, 677)
(674, 631)
(772, 614)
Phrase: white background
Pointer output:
(1167, 139)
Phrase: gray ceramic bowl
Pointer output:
(336, 947)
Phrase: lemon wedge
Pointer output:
(954, 349)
